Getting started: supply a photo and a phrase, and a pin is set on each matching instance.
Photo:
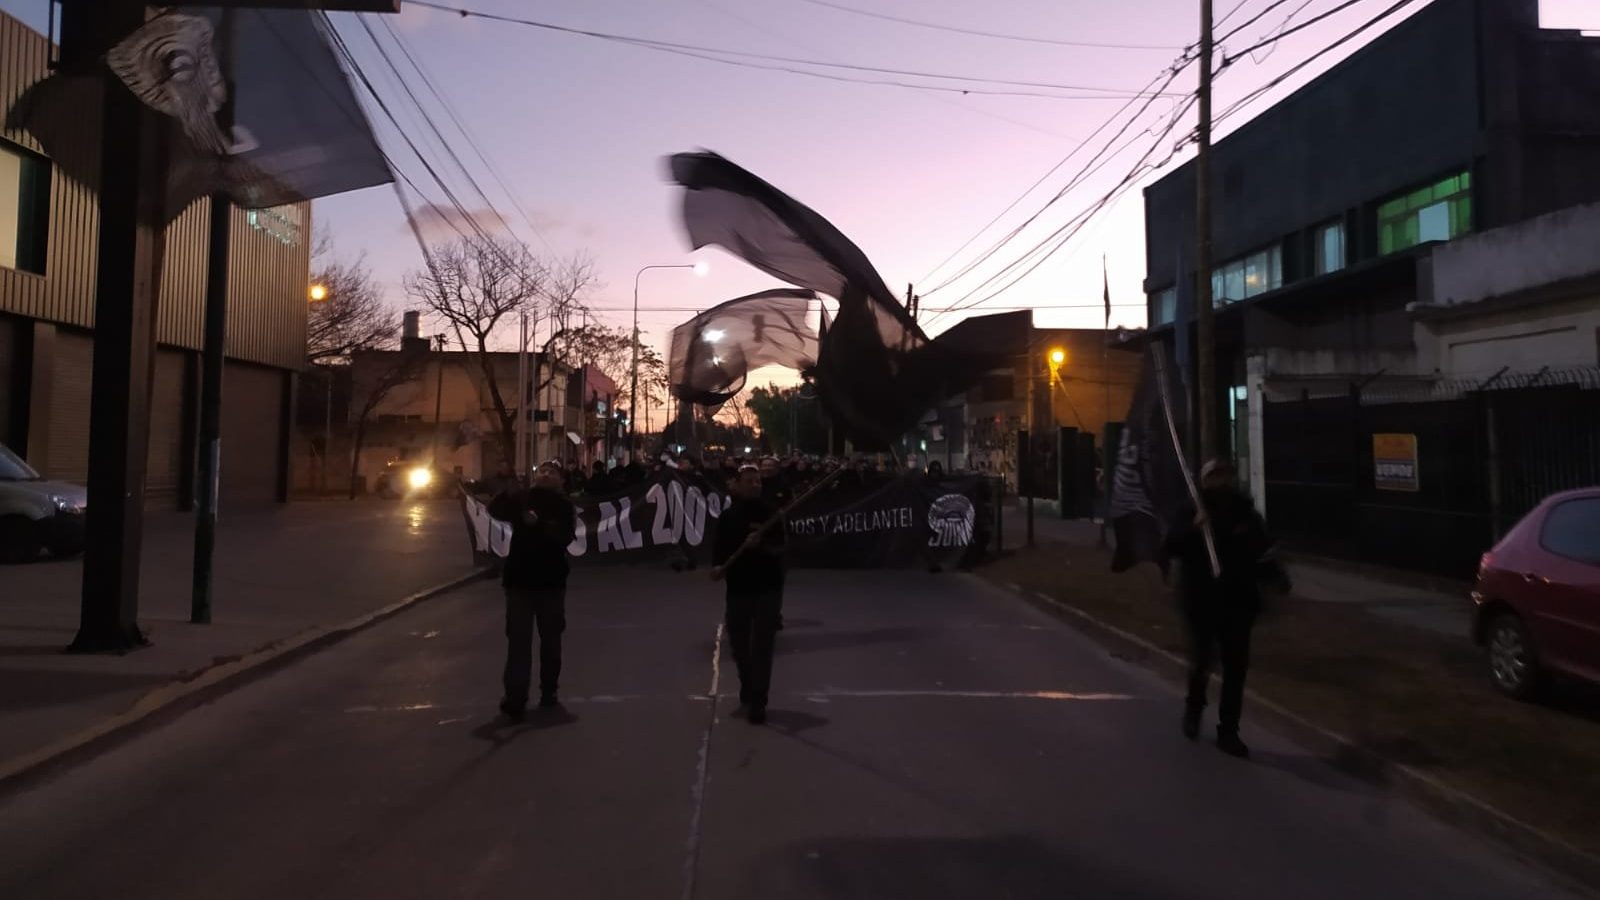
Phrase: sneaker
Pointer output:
(511, 710)
(758, 715)
(1230, 744)
(1191, 723)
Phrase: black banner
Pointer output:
(904, 523)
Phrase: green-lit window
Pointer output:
(24, 208)
(1439, 212)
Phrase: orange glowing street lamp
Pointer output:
(318, 293)
(1058, 356)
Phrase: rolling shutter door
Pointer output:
(69, 408)
(166, 425)
(252, 414)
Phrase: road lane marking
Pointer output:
(822, 696)
(697, 792)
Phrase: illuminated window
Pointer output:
(24, 209)
(1438, 212)
(1247, 276)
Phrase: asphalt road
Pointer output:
(930, 737)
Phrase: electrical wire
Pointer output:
(691, 49)
(1229, 59)
(988, 34)
(1089, 168)
(1171, 71)
(1350, 36)
(461, 126)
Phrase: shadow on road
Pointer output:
(500, 731)
(843, 640)
(991, 866)
(794, 721)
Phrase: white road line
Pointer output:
(821, 696)
(697, 792)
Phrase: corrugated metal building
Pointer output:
(48, 225)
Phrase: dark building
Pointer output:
(48, 225)
(1459, 147)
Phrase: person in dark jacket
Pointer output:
(754, 607)
(1220, 611)
(535, 579)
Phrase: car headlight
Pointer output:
(419, 478)
(65, 504)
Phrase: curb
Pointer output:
(181, 694)
(1546, 852)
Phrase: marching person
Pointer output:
(754, 610)
(535, 579)
(1220, 612)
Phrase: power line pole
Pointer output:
(1205, 319)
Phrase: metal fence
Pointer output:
(1472, 459)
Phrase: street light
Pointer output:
(699, 268)
(319, 293)
(1057, 357)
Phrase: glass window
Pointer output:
(24, 206)
(1164, 308)
(1329, 248)
(1439, 212)
(1243, 278)
(1572, 529)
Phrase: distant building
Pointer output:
(1395, 242)
(1087, 388)
(48, 241)
(445, 411)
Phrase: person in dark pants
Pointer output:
(1220, 612)
(535, 580)
(755, 588)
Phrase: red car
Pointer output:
(1538, 595)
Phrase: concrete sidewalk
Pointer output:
(1395, 597)
(281, 573)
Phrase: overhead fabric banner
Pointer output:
(909, 522)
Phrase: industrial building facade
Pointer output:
(48, 233)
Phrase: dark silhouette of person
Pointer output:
(754, 609)
(1220, 611)
(599, 483)
(535, 581)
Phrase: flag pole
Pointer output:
(1105, 376)
(1183, 465)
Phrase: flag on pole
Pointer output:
(713, 353)
(1148, 486)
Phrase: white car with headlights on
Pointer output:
(37, 515)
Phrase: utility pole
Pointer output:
(131, 235)
(211, 365)
(1205, 318)
(438, 398)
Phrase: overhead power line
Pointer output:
(693, 49)
(1229, 58)
(461, 126)
(1298, 67)
(988, 34)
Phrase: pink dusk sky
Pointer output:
(578, 128)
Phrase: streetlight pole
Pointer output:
(633, 388)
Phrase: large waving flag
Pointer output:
(876, 371)
(715, 351)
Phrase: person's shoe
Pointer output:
(758, 715)
(512, 710)
(548, 700)
(1191, 723)
(740, 712)
(1230, 744)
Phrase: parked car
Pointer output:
(1538, 596)
(36, 514)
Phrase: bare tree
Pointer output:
(374, 376)
(353, 315)
(477, 285)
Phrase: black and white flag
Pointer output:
(713, 353)
(1148, 485)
